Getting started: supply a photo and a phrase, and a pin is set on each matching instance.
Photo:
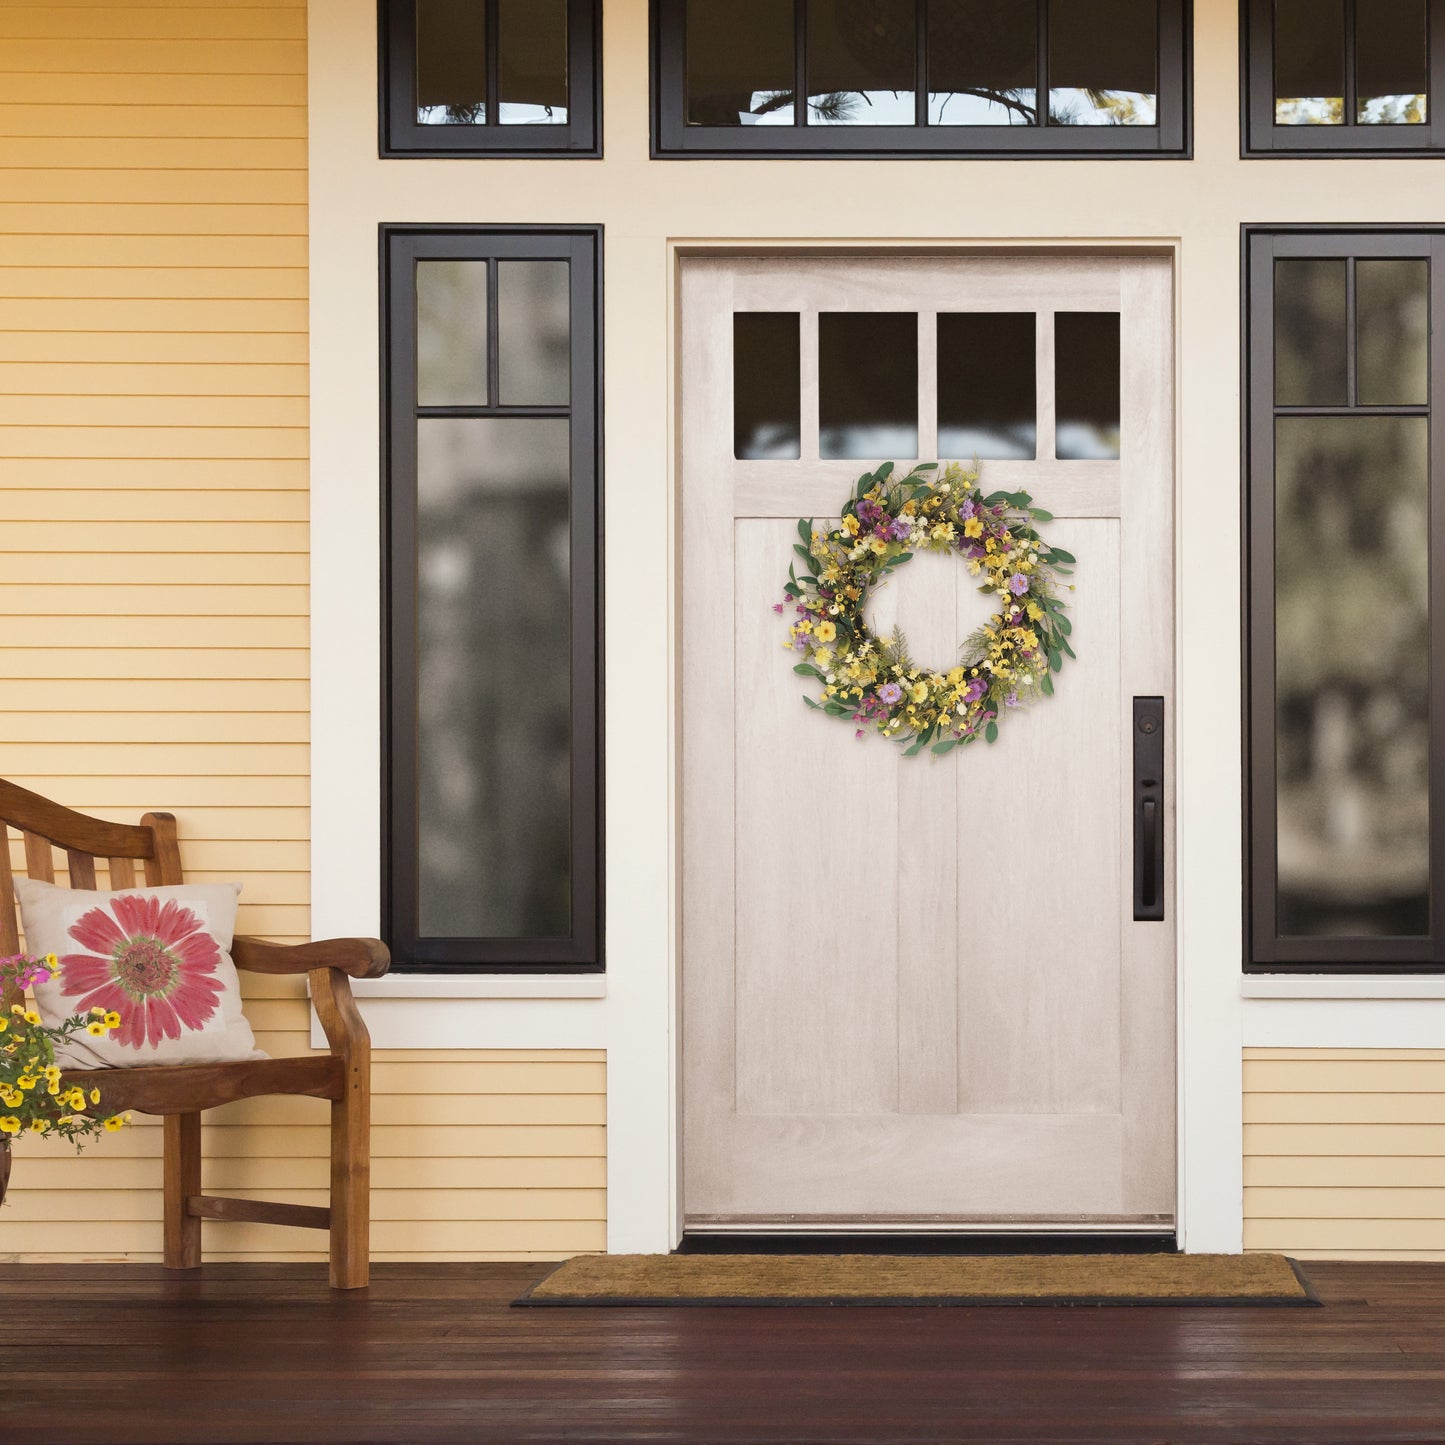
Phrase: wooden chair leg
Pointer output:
(351, 1179)
(182, 1182)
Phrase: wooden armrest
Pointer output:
(358, 957)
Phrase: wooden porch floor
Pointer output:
(432, 1353)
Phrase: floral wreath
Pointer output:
(875, 682)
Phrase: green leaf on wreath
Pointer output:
(1059, 555)
(805, 528)
(990, 733)
(1047, 686)
(946, 746)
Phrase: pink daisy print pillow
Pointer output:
(159, 957)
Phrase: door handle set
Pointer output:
(1148, 809)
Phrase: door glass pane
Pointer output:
(1392, 332)
(767, 386)
(1391, 65)
(1310, 343)
(493, 670)
(868, 384)
(1104, 62)
(861, 62)
(1309, 62)
(1086, 385)
(451, 333)
(451, 62)
(1352, 675)
(534, 339)
(982, 62)
(987, 385)
(740, 67)
(532, 62)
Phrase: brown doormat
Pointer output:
(872, 1279)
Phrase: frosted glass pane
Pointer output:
(1392, 309)
(451, 333)
(493, 677)
(533, 333)
(1310, 341)
(1352, 675)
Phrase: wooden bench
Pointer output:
(180, 1093)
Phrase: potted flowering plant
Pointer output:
(34, 1096)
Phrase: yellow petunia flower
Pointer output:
(113, 1123)
(9, 1124)
(27, 1081)
(112, 1020)
(40, 1126)
(96, 1031)
(97, 1012)
(32, 1018)
(95, 1096)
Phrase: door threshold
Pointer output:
(1113, 1241)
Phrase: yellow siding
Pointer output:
(1345, 1152)
(153, 604)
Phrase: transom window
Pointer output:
(1330, 77)
(490, 77)
(886, 77)
(1346, 584)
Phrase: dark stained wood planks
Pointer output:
(433, 1353)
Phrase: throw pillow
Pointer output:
(159, 957)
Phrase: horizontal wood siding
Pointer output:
(153, 605)
(1345, 1152)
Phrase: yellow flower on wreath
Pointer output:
(825, 632)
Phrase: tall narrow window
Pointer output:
(1346, 589)
(492, 849)
(1331, 77)
(490, 77)
(931, 77)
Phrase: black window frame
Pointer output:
(401, 136)
(401, 247)
(1259, 137)
(674, 139)
(1264, 950)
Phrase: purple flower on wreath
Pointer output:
(968, 509)
(975, 690)
(900, 529)
(1018, 584)
(778, 607)
(974, 552)
(870, 513)
(1012, 700)
(890, 693)
(800, 644)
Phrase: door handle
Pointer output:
(1148, 809)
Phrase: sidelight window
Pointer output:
(490, 77)
(942, 77)
(492, 753)
(1337, 77)
(1346, 575)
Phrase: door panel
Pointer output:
(913, 989)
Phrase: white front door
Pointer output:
(914, 990)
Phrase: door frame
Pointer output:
(1194, 1125)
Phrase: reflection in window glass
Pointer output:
(451, 333)
(1392, 332)
(534, 340)
(451, 62)
(532, 62)
(1309, 62)
(1104, 62)
(868, 384)
(767, 386)
(1391, 62)
(987, 385)
(861, 62)
(1086, 385)
(493, 757)
(1352, 676)
(740, 62)
(982, 63)
(1310, 343)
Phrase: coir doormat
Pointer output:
(871, 1279)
